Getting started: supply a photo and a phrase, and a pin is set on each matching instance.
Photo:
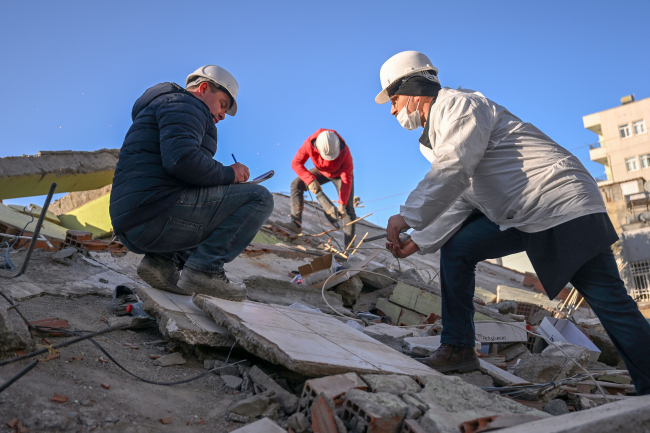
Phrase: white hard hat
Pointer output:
(399, 66)
(220, 77)
(328, 145)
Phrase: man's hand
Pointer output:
(395, 224)
(342, 211)
(241, 172)
(408, 247)
(314, 187)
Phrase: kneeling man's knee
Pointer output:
(266, 199)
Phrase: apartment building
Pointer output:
(623, 141)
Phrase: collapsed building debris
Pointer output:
(348, 367)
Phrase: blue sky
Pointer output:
(71, 72)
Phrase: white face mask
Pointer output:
(409, 121)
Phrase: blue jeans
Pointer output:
(206, 227)
(597, 281)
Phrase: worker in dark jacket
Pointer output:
(176, 204)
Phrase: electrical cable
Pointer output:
(6, 262)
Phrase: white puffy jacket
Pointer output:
(486, 158)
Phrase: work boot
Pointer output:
(450, 358)
(211, 284)
(292, 226)
(160, 273)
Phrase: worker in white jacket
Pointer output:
(499, 186)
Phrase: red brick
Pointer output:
(412, 426)
(332, 386)
(322, 418)
(166, 420)
(59, 398)
(106, 386)
(12, 423)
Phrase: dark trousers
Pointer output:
(207, 227)
(298, 189)
(597, 281)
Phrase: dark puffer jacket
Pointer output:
(169, 147)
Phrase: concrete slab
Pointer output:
(308, 343)
(31, 175)
(180, 319)
(505, 293)
(629, 415)
(272, 291)
(13, 218)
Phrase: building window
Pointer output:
(645, 160)
(631, 164)
(641, 280)
(639, 127)
(625, 130)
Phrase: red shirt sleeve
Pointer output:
(298, 163)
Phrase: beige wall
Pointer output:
(615, 150)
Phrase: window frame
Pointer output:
(629, 130)
(636, 163)
(642, 122)
(645, 157)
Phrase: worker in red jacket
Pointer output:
(332, 163)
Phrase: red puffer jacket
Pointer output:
(341, 167)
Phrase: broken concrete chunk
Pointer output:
(271, 291)
(299, 423)
(179, 319)
(422, 346)
(514, 351)
(264, 425)
(505, 307)
(65, 253)
(167, 360)
(14, 333)
(462, 402)
(609, 355)
(476, 378)
(254, 406)
(232, 382)
(413, 274)
(392, 336)
(552, 364)
(375, 411)
(350, 290)
(288, 401)
(556, 407)
(385, 278)
(238, 418)
(391, 383)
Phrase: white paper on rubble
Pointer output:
(563, 330)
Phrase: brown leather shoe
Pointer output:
(450, 358)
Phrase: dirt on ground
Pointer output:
(128, 405)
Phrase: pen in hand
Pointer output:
(233, 157)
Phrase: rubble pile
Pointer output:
(326, 340)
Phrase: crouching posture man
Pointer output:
(176, 204)
(332, 163)
(499, 186)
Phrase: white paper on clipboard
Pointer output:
(266, 176)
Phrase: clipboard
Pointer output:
(259, 179)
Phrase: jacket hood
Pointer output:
(152, 93)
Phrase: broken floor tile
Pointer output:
(172, 359)
(264, 425)
(307, 343)
(178, 318)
